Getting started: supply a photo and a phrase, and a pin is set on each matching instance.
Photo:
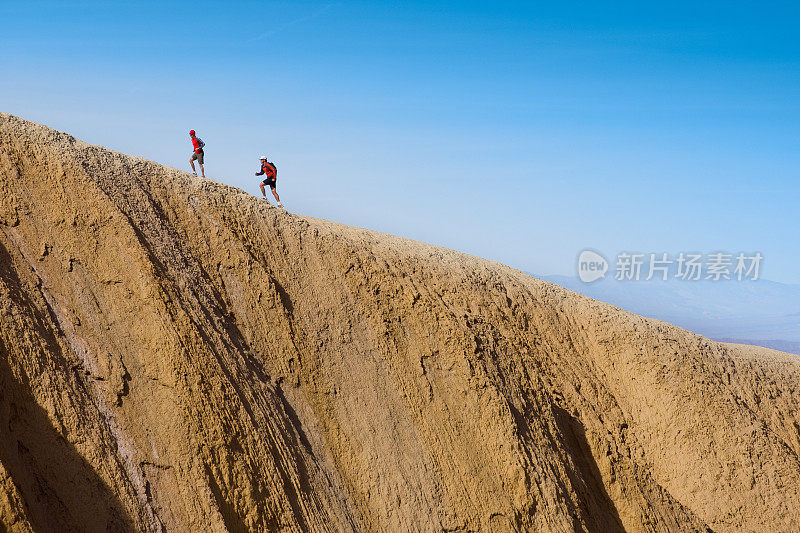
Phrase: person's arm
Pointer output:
(260, 173)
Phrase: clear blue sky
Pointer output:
(522, 132)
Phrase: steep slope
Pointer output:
(176, 355)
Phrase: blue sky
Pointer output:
(520, 132)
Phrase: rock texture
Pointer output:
(177, 355)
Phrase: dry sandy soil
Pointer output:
(177, 355)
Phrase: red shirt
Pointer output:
(266, 168)
(196, 145)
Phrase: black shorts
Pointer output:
(270, 182)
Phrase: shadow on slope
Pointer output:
(60, 489)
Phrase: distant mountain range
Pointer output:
(762, 312)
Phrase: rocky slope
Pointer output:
(177, 355)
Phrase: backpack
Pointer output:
(200, 143)
(274, 168)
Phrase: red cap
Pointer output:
(191, 132)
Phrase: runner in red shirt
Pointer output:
(198, 154)
(271, 172)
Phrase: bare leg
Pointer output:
(191, 162)
(202, 170)
(275, 194)
(263, 192)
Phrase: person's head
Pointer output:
(263, 158)
(191, 133)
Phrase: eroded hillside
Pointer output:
(177, 355)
